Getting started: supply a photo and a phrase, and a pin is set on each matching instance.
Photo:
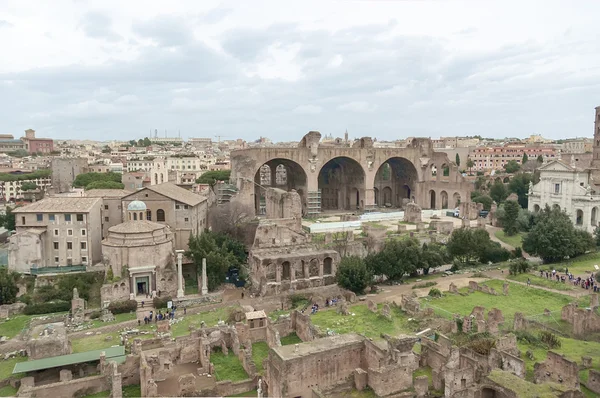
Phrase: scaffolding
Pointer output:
(225, 192)
(313, 203)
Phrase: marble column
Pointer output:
(204, 278)
(180, 292)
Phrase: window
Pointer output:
(23, 220)
(105, 207)
(83, 245)
(106, 219)
(186, 219)
(160, 215)
(56, 232)
(39, 217)
(186, 207)
(79, 217)
(556, 188)
(69, 245)
(176, 207)
(69, 261)
(51, 217)
(67, 217)
(70, 232)
(55, 245)
(56, 259)
(149, 215)
(83, 232)
(84, 260)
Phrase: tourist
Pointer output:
(242, 295)
(185, 309)
(142, 303)
(139, 322)
(528, 282)
(150, 317)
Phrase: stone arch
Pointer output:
(328, 266)
(444, 172)
(444, 199)
(579, 217)
(432, 174)
(556, 206)
(342, 184)
(313, 269)
(506, 180)
(160, 215)
(456, 198)
(282, 173)
(536, 208)
(432, 199)
(134, 216)
(286, 271)
(401, 176)
(594, 220)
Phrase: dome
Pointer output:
(136, 205)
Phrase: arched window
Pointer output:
(141, 216)
(160, 215)
(149, 215)
(134, 216)
(327, 266)
(286, 271)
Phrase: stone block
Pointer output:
(360, 379)
(372, 306)
(505, 289)
(421, 385)
(586, 362)
(594, 300)
(386, 311)
(412, 213)
(66, 375)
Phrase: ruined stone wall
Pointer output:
(304, 327)
(374, 355)
(130, 370)
(506, 361)
(558, 369)
(433, 354)
(228, 388)
(72, 388)
(584, 321)
(458, 380)
(390, 379)
(8, 310)
(593, 382)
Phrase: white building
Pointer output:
(569, 188)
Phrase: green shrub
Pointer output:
(123, 307)
(479, 275)
(520, 266)
(518, 252)
(47, 308)
(95, 314)
(528, 338)
(494, 253)
(550, 339)
(434, 292)
(161, 302)
(298, 300)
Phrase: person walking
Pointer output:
(528, 282)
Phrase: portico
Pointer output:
(142, 280)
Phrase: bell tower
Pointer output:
(596, 150)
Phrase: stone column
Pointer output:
(180, 291)
(131, 287)
(204, 278)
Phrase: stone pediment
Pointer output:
(556, 165)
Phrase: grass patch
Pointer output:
(363, 322)
(95, 342)
(538, 281)
(13, 326)
(520, 298)
(130, 316)
(132, 391)
(260, 351)
(227, 367)
(579, 266)
(7, 366)
(8, 391)
(101, 394)
(514, 240)
(424, 371)
(523, 388)
(209, 317)
(291, 339)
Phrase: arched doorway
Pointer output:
(398, 175)
(387, 196)
(376, 194)
(456, 198)
(327, 266)
(536, 208)
(432, 199)
(278, 173)
(342, 184)
(579, 217)
(444, 197)
(286, 271)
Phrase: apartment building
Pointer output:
(56, 232)
(494, 158)
(111, 209)
(184, 211)
(11, 190)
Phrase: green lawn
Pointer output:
(7, 366)
(96, 323)
(101, 394)
(227, 367)
(524, 389)
(260, 351)
(424, 371)
(579, 266)
(14, 325)
(210, 318)
(538, 281)
(363, 322)
(514, 240)
(529, 301)
(95, 342)
(291, 339)
(8, 391)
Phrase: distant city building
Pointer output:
(166, 140)
(577, 145)
(11, 190)
(135, 180)
(64, 171)
(37, 145)
(111, 206)
(494, 158)
(8, 143)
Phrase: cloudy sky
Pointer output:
(244, 69)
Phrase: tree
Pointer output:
(397, 258)
(433, 256)
(140, 142)
(352, 274)
(519, 184)
(105, 185)
(512, 166)
(83, 180)
(7, 220)
(457, 160)
(29, 186)
(8, 286)
(229, 218)
(147, 141)
(211, 177)
(498, 191)
(221, 252)
(553, 237)
(510, 216)
(540, 159)
(470, 164)
(106, 149)
(485, 200)
(597, 236)
(467, 245)
(525, 158)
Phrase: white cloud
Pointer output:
(357, 106)
(308, 109)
